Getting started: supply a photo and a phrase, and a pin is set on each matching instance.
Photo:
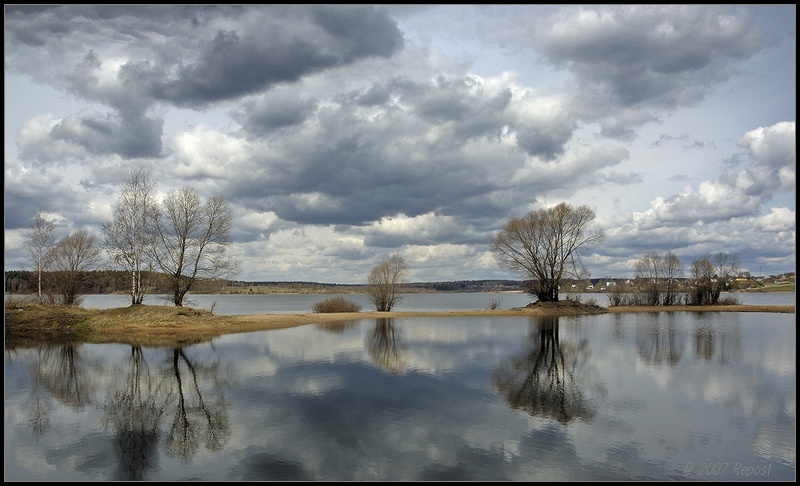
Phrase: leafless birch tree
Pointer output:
(39, 242)
(546, 246)
(191, 239)
(128, 236)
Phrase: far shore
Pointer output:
(146, 325)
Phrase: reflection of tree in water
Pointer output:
(196, 419)
(135, 409)
(659, 345)
(711, 341)
(383, 347)
(337, 327)
(134, 412)
(704, 342)
(59, 373)
(544, 379)
(136, 402)
(62, 371)
(39, 405)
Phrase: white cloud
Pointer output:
(335, 148)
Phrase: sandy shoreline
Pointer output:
(265, 322)
(276, 321)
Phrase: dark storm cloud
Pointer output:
(361, 31)
(177, 56)
(369, 154)
(80, 137)
(544, 139)
(274, 111)
(460, 103)
(646, 57)
(383, 133)
(102, 135)
(377, 94)
(265, 53)
(657, 54)
(71, 203)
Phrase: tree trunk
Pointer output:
(133, 287)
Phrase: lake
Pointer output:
(232, 304)
(654, 396)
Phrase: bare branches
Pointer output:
(712, 274)
(72, 258)
(191, 239)
(546, 246)
(128, 237)
(383, 282)
(39, 242)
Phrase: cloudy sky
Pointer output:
(343, 134)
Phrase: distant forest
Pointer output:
(119, 282)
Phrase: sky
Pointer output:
(341, 135)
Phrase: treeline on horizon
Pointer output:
(118, 282)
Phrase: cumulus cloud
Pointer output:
(341, 133)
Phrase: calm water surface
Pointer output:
(232, 304)
(669, 396)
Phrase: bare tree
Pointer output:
(128, 236)
(672, 273)
(546, 246)
(39, 242)
(648, 271)
(384, 281)
(191, 239)
(658, 279)
(72, 259)
(712, 275)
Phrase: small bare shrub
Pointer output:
(614, 299)
(728, 301)
(19, 302)
(336, 304)
(591, 301)
(494, 303)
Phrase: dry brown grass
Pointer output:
(145, 325)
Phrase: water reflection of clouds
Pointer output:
(433, 349)
(412, 427)
(427, 345)
(334, 414)
(713, 372)
(443, 345)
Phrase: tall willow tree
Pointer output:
(546, 246)
(384, 281)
